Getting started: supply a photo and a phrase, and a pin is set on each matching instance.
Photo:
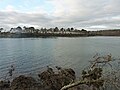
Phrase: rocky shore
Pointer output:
(92, 78)
(47, 80)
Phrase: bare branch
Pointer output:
(81, 82)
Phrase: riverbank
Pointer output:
(47, 80)
(28, 35)
(60, 34)
(43, 35)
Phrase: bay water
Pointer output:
(32, 55)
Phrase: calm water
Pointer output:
(31, 55)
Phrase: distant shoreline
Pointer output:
(58, 34)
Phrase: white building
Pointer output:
(16, 30)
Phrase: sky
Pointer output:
(87, 14)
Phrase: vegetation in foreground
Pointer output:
(102, 74)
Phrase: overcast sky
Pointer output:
(87, 14)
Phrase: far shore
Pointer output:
(28, 32)
(58, 34)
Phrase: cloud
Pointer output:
(17, 18)
(9, 8)
(88, 14)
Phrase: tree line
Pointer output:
(45, 30)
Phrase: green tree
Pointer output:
(56, 29)
(62, 30)
(83, 30)
(1, 29)
(68, 29)
(32, 29)
(19, 28)
(72, 29)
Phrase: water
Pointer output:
(31, 55)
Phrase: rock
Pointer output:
(55, 81)
(23, 83)
(4, 85)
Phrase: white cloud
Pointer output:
(90, 14)
(86, 12)
(9, 8)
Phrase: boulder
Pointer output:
(23, 83)
(56, 80)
